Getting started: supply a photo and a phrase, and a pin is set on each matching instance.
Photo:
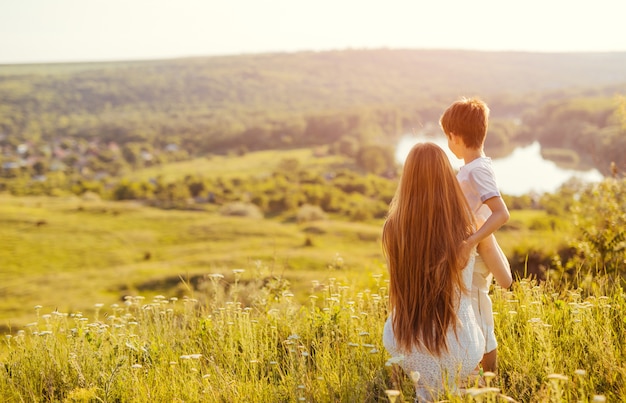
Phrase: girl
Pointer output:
(432, 322)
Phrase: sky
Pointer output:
(35, 31)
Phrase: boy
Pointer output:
(465, 124)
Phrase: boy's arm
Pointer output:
(499, 216)
(496, 261)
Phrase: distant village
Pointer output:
(89, 159)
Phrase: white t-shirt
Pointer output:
(478, 182)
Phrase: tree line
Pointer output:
(91, 121)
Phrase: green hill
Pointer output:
(214, 102)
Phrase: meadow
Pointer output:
(561, 345)
(107, 301)
(114, 301)
(68, 253)
(62, 253)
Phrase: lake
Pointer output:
(521, 172)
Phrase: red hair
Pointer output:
(467, 118)
(428, 220)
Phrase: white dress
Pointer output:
(478, 182)
(450, 368)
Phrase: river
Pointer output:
(522, 172)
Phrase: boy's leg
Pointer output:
(489, 361)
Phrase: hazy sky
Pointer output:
(81, 30)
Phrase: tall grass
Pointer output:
(556, 346)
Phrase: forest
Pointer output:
(97, 120)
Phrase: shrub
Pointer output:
(241, 209)
(308, 213)
(600, 217)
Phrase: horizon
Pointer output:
(74, 31)
(373, 49)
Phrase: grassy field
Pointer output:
(66, 252)
(115, 301)
(554, 346)
(69, 253)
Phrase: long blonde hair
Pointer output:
(428, 220)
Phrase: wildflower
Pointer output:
(489, 376)
(598, 399)
(415, 376)
(374, 351)
(507, 398)
(137, 366)
(557, 377)
(392, 394)
(580, 372)
(238, 271)
(394, 360)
